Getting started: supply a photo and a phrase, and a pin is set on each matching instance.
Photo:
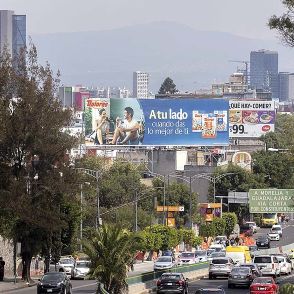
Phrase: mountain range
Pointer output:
(193, 59)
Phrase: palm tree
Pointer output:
(111, 250)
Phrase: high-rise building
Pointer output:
(12, 32)
(140, 84)
(264, 71)
(284, 86)
(291, 87)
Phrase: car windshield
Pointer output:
(252, 248)
(53, 278)
(263, 281)
(252, 266)
(262, 259)
(240, 271)
(209, 251)
(276, 229)
(200, 253)
(170, 276)
(219, 261)
(164, 259)
(262, 238)
(66, 261)
(218, 254)
(269, 215)
(83, 264)
(187, 254)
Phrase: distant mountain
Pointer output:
(193, 59)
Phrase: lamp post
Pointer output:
(81, 221)
(97, 175)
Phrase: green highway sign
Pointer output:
(271, 200)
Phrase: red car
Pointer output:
(264, 285)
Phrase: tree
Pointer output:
(230, 222)
(168, 87)
(285, 23)
(111, 250)
(32, 153)
(207, 230)
(219, 225)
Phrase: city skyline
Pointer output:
(210, 15)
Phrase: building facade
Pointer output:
(140, 84)
(12, 32)
(284, 86)
(264, 71)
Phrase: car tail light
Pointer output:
(158, 283)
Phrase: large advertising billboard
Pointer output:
(157, 122)
(251, 119)
(271, 200)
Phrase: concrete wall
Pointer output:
(6, 251)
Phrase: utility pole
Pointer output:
(190, 205)
(81, 221)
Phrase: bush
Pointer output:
(287, 289)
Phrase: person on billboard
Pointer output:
(102, 127)
(126, 131)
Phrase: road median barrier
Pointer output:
(145, 282)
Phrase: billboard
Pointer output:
(271, 200)
(251, 119)
(157, 122)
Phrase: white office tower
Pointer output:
(140, 84)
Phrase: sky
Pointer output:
(244, 18)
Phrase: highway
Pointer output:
(89, 286)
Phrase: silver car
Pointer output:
(67, 264)
(220, 266)
(164, 262)
(81, 269)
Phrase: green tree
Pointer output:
(168, 87)
(219, 225)
(170, 238)
(32, 153)
(284, 24)
(111, 250)
(207, 230)
(230, 220)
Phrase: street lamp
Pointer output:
(97, 175)
(81, 221)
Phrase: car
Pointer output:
(218, 290)
(164, 262)
(54, 282)
(253, 225)
(220, 239)
(67, 263)
(172, 283)
(202, 255)
(220, 266)
(285, 264)
(273, 235)
(169, 253)
(188, 258)
(216, 254)
(81, 269)
(263, 242)
(246, 229)
(217, 247)
(209, 251)
(240, 276)
(278, 229)
(252, 250)
(264, 285)
(268, 265)
(254, 268)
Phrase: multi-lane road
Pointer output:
(89, 286)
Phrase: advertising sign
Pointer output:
(157, 122)
(271, 200)
(251, 119)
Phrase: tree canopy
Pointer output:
(168, 87)
(284, 24)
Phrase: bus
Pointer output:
(269, 219)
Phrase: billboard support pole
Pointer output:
(190, 205)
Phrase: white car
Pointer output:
(268, 265)
(202, 255)
(285, 264)
(164, 262)
(273, 235)
(67, 264)
(81, 269)
(278, 229)
(188, 258)
(253, 225)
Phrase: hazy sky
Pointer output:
(245, 18)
